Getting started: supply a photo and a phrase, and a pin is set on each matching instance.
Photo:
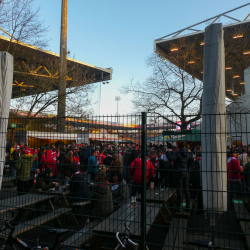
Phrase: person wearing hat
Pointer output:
(23, 167)
(44, 181)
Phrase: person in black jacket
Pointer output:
(101, 197)
(126, 157)
(169, 155)
(195, 182)
(107, 161)
(119, 189)
(39, 155)
(134, 153)
(61, 164)
(180, 163)
(84, 154)
(78, 186)
(44, 181)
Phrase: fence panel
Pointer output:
(88, 180)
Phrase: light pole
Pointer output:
(117, 98)
(63, 67)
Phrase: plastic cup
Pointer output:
(133, 201)
(57, 186)
(67, 186)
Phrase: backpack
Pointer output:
(15, 155)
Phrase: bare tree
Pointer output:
(38, 73)
(21, 23)
(169, 92)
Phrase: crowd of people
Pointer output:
(115, 172)
(38, 170)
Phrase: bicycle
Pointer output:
(15, 243)
(124, 241)
(12, 242)
(206, 244)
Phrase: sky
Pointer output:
(121, 33)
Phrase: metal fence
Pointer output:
(170, 183)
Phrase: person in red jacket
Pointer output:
(234, 176)
(100, 157)
(135, 173)
(49, 160)
(26, 149)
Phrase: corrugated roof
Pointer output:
(32, 55)
(186, 52)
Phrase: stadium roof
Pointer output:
(33, 62)
(186, 51)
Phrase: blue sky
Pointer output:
(120, 34)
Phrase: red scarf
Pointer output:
(36, 174)
(78, 172)
(101, 185)
(43, 168)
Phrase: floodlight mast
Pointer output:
(63, 67)
(117, 98)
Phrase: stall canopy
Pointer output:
(194, 136)
(103, 137)
(52, 136)
(162, 138)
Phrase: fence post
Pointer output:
(143, 179)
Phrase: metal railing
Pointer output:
(90, 180)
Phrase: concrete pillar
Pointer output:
(247, 80)
(213, 137)
(6, 80)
